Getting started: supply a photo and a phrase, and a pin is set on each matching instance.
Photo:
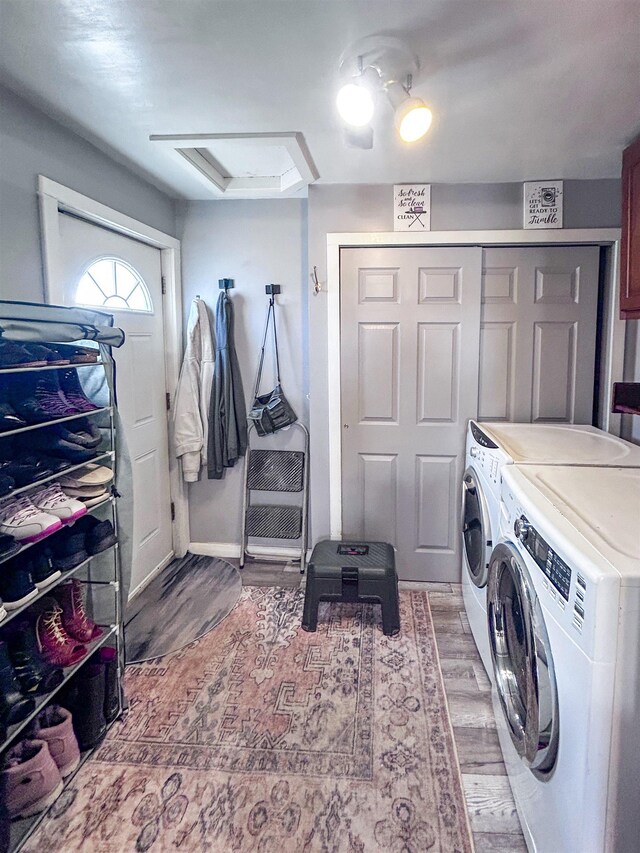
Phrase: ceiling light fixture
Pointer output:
(381, 64)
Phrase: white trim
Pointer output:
(53, 198)
(613, 342)
(232, 549)
(144, 583)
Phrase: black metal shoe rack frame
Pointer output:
(22, 829)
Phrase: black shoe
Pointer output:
(34, 675)
(13, 705)
(85, 698)
(46, 353)
(51, 440)
(39, 563)
(13, 354)
(7, 484)
(74, 392)
(23, 473)
(68, 548)
(108, 658)
(8, 417)
(16, 585)
(99, 535)
(8, 547)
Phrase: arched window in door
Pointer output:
(113, 283)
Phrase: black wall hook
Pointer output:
(272, 289)
(226, 283)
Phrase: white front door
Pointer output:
(123, 276)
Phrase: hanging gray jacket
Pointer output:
(228, 413)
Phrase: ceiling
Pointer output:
(520, 90)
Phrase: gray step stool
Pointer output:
(352, 571)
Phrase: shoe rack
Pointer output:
(101, 572)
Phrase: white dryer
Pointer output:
(564, 629)
(491, 446)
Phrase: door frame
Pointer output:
(613, 326)
(54, 198)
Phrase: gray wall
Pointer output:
(336, 208)
(255, 243)
(32, 144)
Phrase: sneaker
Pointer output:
(99, 535)
(8, 418)
(8, 546)
(55, 726)
(13, 354)
(31, 779)
(73, 391)
(39, 562)
(68, 548)
(54, 644)
(53, 500)
(16, 585)
(74, 616)
(34, 674)
(40, 398)
(22, 520)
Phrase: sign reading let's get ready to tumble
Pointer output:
(542, 204)
(412, 207)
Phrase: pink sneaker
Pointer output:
(22, 520)
(31, 779)
(52, 500)
(74, 617)
(54, 644)
(54, 725)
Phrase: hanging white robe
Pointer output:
(193, 394)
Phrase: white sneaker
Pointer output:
(53, 500)
(25, 522)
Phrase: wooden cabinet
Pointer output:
(630, 244)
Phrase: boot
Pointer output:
(34, 675)
(55, 726)
(73, 392)
(74, 616)
(54, 644)
(40, 398)
(108, 658)
(85, 700)
(13, 705)
(31, 778)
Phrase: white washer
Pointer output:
(490, 446)
(564, 628)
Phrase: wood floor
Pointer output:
(492, 812)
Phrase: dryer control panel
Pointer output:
(556, 570)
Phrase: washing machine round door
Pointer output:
(476, 528)
(522, 662)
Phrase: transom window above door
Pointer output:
(113, 283)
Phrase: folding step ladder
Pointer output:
(275, 471)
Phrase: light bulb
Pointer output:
(413, 119)
(355, 105)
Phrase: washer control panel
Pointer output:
(556, 570)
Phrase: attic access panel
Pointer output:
(246, 165)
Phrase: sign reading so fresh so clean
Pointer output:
(543, 204)
(412, 207)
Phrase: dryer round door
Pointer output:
(522, 663)
(476, 528)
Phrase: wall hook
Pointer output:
(317, 287)
(226, 283)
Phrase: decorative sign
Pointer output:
(412, 207)
(543, 204)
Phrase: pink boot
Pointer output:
(31, 779)
(54, 644)
(74, 617)
(54, 725)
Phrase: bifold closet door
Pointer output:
(538, 334)
(410, 324)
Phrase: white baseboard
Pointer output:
(144, 583)
(231, 549)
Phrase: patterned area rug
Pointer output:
(261, 737)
